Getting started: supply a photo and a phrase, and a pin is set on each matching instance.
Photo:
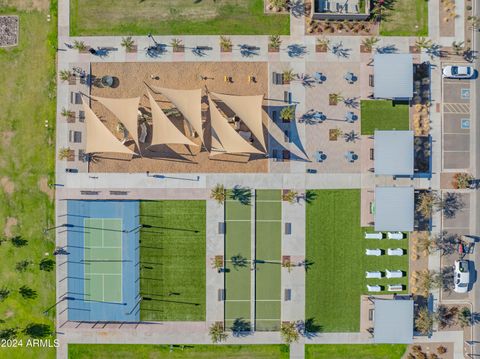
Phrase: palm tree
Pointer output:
(425, 244)
(424, 321)
(423, 43)
(274, 42)
(462, 180)
(128, 43)
(278, 4)
(323, 43)
(64, 153)
(427, 280)
(289, 332)
(176, 44)
(290, 196)
(22, 266)
(217, 333)
(457, 47)
(47, 264)
(218, 193)
(8, 333)
(287, 113)
(335, 97)
(474, 21)
(79, 45)
(225, 43)
(465, 317)
(287, 263)
(445, 316)
(65, 112)
(288, 75)
(427, 203)
(370, 42)
(65, 75)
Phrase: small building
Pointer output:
(393, 321)
(393, 76)
(394, 152)
(394, 209)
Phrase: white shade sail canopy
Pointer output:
(99, 138)
(224, 137)
(126, 110)
(164, 131)
(189, 103)
(249, 109)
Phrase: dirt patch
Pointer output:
(40, 5)
(7, 185)
(6, 137)
(44, 187)
(9, 313)
(11, 222)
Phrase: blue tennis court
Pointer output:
(103, 265)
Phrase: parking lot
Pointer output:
(456, 124)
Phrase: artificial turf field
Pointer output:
(268, 245)
(336, 246)
(383, 115)
(172, 260)
(238, 224)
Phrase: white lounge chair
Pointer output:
(395, 251)
(374, 288)
(395, 288)
(376, 274)
(373, 252)
(393, 273)
(374, 235)
(394, 235)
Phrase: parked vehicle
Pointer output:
(458, 72)
(462, 276)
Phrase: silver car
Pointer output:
(462, 276)
(458, 72)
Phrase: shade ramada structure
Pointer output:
(99, 138)
(224, 137)
(164, 131)
(189, 103)
(126, 111)
(249, 109)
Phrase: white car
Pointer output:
(462, 276)
(458, 72)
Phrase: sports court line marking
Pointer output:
(268, 300)
(268, 200)
(264, 319)
(237, 300)
(238, 220)
(117, 274)
(92, 247)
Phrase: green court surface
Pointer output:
(103, 259)
(172, 260)
(268, 244)
(238, 224)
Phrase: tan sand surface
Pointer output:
(131, 80)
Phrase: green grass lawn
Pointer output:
(407, 18)
(172, 259)
(174, 17)
(27, 99)
(348, 351)
(336, 246)
(382, 115)
(140, 351)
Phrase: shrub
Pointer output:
(441, 349)
(47, 264)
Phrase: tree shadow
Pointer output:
(241, 328)
(388, 49)
(249, 51)
(296, 50)
(241, 194)
(18, 241)
(37, 330)
(452, 203)
(239, 261)
(297, 8)
(308, 328)
(310, 196)
(340, 51)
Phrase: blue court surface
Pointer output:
(103, 260)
